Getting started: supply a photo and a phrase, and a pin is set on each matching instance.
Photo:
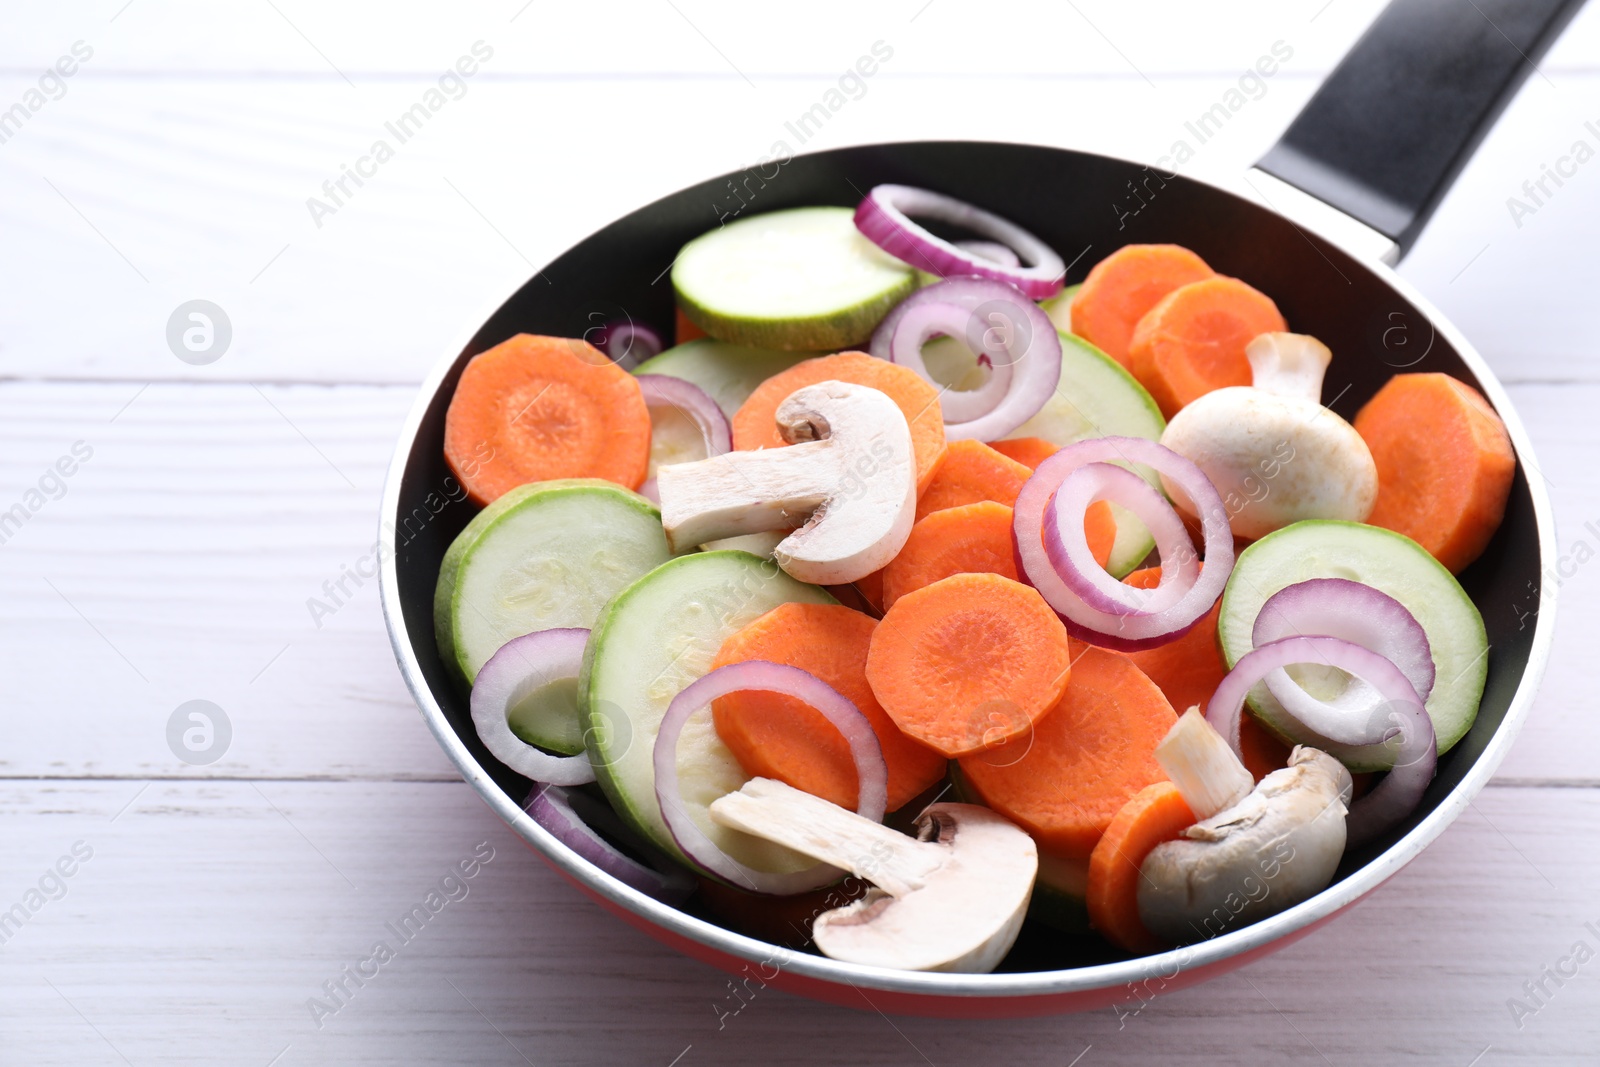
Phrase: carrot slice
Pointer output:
(1189, 669)
(971, 539)
(1086, 757)
(777, 736)
(1155, 814)
(755, 423)
(1028, 451)
(968, 662)
(1124, 286)
(1444, 461)
(1193, 341)
(968, 472)
(536, 408)
(684, 328)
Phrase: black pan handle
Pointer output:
(1388, 131)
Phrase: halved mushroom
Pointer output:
(1258, 855)
(951, 899)
(1275, 454)
(847, 480)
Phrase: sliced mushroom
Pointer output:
(1275, 848)
(1275, 454)
(951, 899)
(847, 480)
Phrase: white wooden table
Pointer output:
(176, 562)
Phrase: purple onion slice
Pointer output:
(884, 217)
(872, 774)
(1400, 713)
(521, 667)
(556, 809)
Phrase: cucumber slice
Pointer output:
(1059, 307)
(543, 555)
(728, 373)
(654, 638)
(1095, 398)
(798, 280)
(1384, 560)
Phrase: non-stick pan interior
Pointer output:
(1083, 205)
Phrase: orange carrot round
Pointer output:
(1444, 462)
(1193, 341)
(968, 662)
(1085, 757)
(1155, 814)
(972, 539)
(535, 408)
(968, 472)
(777, 736)
(1028, 451)
(1124, 286)
(755, 423)
(1189, 669)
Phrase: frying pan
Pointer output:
(1349, 187)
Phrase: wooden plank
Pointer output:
(194, 537)
(211, 912)
(150, 192)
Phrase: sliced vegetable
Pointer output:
(684, 331)
(969, 662)
(1100, 736)
(1360, 614)
(1271, 449)
(971, 539)
(971, 471)
(1028, 451)
(1001, 329)
(782, 737)
(533, 409)
(951, 899)
(542, 556)
(884, 216)
(756, 425)
(1401, 714)
(1444, 461)
(685, 424)
(1203, 766)
(1391, 563)
(517, 682)
(1059, 307)
(653, 639)
(627, 343)
(556, 809)
(1193, 340)
(679, 812)
(797, 280)
(727, 373)
(1277, 847)
(1155, 814)
(850, 480)
(1120, 617)
(1188, 669)
(1122, 288)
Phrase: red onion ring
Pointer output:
(883, 218)
(1402, 711)
(1124, 629)
(628, 344)
(1354, 612)
(522, 665)
(872, 774)
(1023, 352)
(688, 399)
(1067, 545)
(553, 808)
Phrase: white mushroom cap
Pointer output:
(952, 899)
(847, 480)
(1274, 453)
(1278, 846)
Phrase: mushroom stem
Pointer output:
(777, 812)
(1288, 364)
(1203, 766)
